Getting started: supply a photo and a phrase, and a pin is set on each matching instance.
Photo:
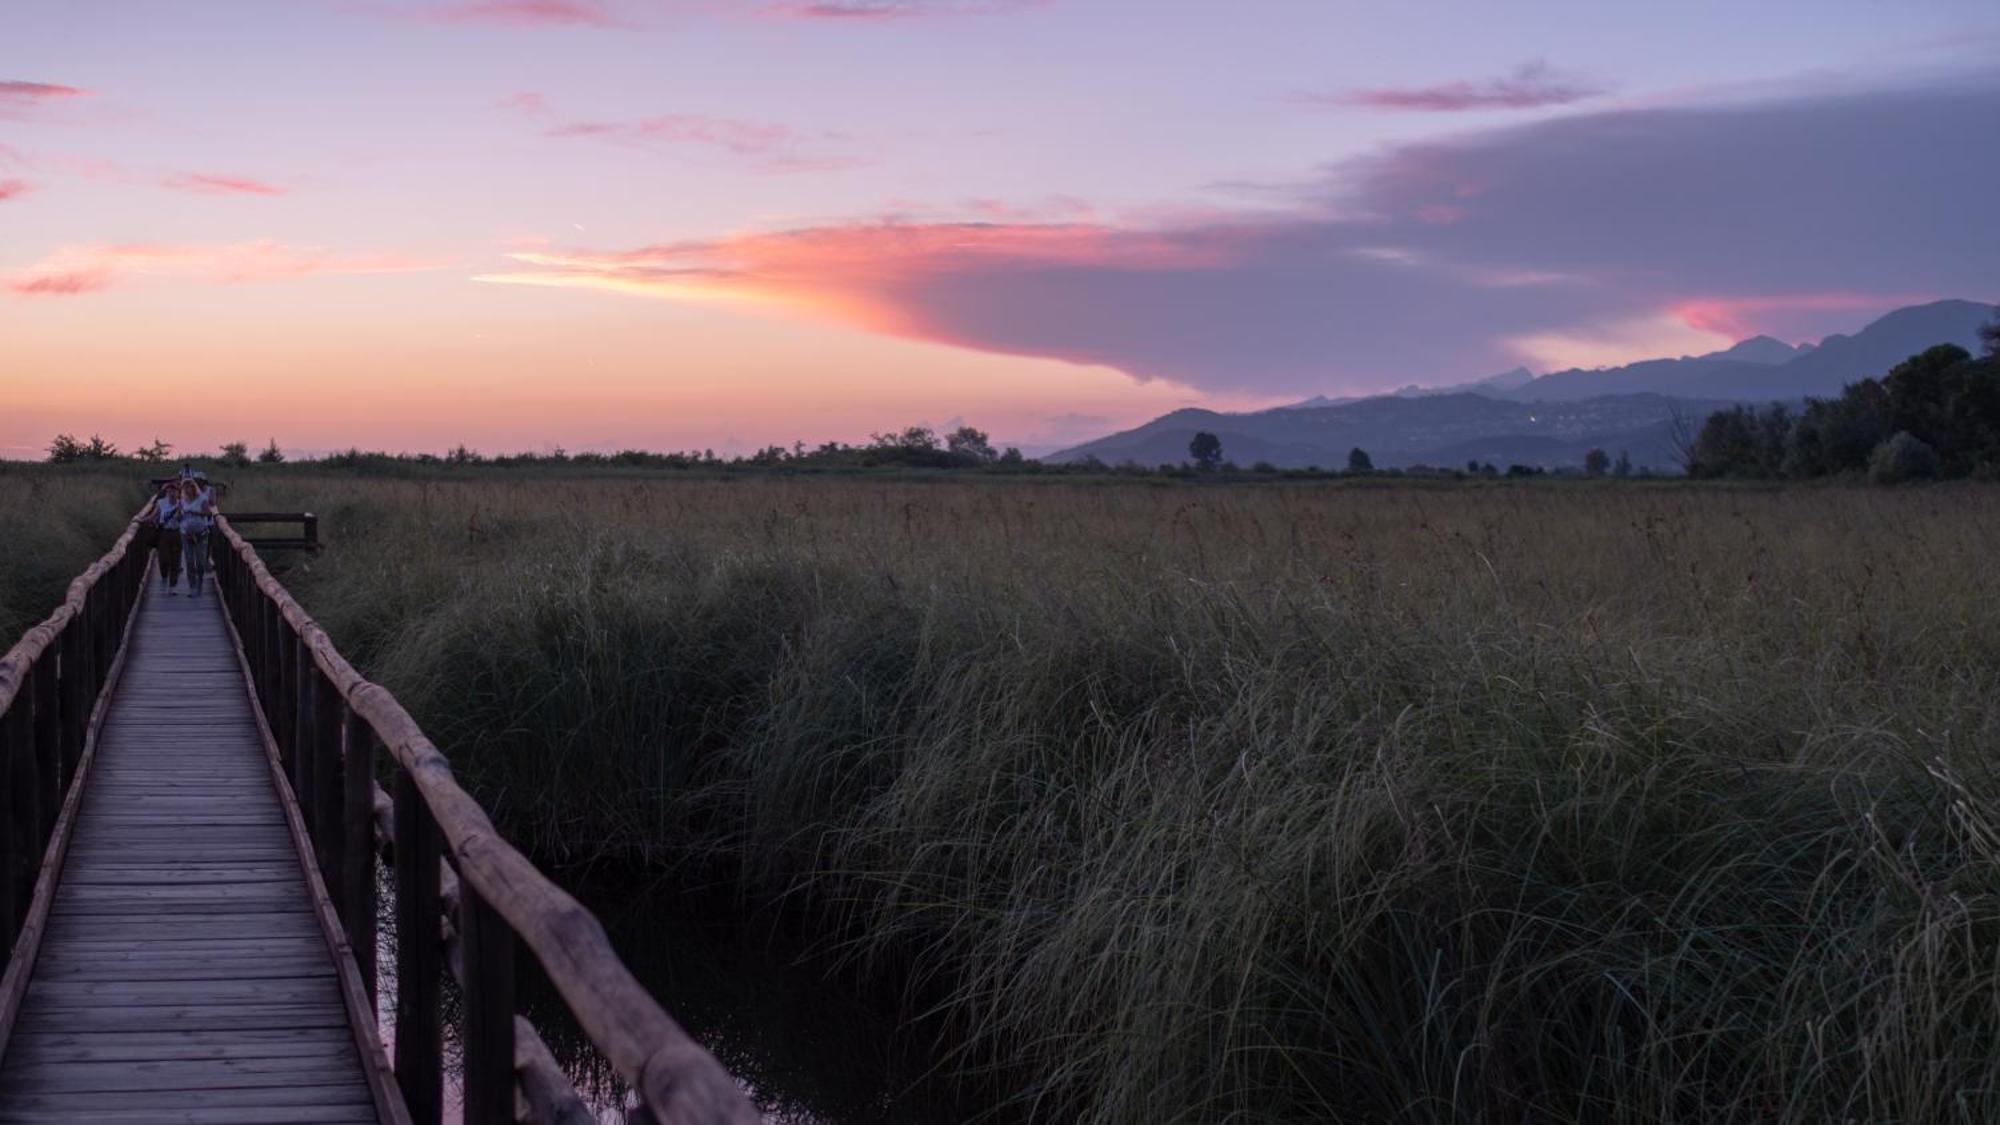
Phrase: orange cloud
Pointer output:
(852, 274)
(205, 184)
(87, 269)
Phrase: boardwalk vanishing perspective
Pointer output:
(183, 975)
(190, 823)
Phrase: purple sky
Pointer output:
(519, 223)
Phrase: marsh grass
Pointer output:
(1260, 804)
(53, 524)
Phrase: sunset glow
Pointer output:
(413, 224)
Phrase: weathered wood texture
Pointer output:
(183, 975)
(508, 902)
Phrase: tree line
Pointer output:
(1934, 415)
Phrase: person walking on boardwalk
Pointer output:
(167, 533)
(197, 520)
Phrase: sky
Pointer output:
(672, 224)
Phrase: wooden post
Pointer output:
(75, 695)
(487, 946)
(268, 619)
(356, 892)
(419, 956)
(301, 691)
(280, 712)
(329, 724)
(105, 645)
(48, 746)
(17, 762)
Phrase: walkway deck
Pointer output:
(184, 976)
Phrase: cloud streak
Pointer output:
(24, 101)
(11, 188)
(762, 145)
(1533, 86)
(1647, 229)
(17, 91)
(523, 13)
(92, 268)
(878, 10)
(199, 183)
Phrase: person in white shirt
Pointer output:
(167, 534)
(197, 520)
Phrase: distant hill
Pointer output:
(1442, 430)
(1761, 369)
(1552, 420)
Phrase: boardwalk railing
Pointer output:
(464, 898)
(49, 687)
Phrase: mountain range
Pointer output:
(1553, 419)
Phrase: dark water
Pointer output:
(803, 1043)
(806, 1047)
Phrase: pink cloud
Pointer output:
(205, 184)
(14, 189)
(527, 102)
(1628, 231)
(858, 274)
(37, 91)
(524, 13)
(1741, 317)
(21, 100)
(90, 268)
(1531, 87)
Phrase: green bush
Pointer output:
(1903, 458)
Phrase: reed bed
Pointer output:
(1578, 802)
(53, 524)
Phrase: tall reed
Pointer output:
(53, 524)
(1261, 804)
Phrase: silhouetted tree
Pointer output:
(1990, 336)
(65, 449)
(272, 455)
(1358, 461)
(1596, 462)
(1206, 449)
(235, 454)
(1742, 441)
(1623, 466)
(968, 442)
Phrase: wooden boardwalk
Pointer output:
(190, 826)
(184, 975)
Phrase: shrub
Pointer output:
(1903, 458)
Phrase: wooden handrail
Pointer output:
(16, 666)
(51, 682)
(674, 1076)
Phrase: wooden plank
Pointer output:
(88, 1102)
(183, 974)
(160, 1075)
(213, 1115)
